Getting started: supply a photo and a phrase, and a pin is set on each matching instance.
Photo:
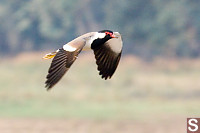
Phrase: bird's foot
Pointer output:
(49, 55)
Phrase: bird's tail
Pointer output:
(49, 55)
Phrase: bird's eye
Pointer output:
(107, 33)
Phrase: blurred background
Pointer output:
(155, 88)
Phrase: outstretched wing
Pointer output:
(108, 56)
(62, 61)
(59, 66)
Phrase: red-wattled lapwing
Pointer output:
(107, 47)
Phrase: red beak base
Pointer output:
(111, 34)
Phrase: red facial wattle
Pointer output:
(110, 34)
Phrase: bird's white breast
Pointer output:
(115, 44)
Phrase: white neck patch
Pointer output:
(99, 35)
(94, 37)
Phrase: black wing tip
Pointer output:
(52, 81)
(106, 76)
(48, 86)
(109, 73)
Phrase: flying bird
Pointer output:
(107, 48)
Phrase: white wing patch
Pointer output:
(69, 48)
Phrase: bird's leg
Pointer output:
(49, 55)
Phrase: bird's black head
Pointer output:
(108, 34)
(102, 37)
(103, 31)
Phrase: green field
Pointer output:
(160, 90)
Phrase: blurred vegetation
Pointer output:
(149, 27)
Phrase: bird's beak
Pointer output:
(114, 36)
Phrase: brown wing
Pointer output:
(60, 65)
(107, 61)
